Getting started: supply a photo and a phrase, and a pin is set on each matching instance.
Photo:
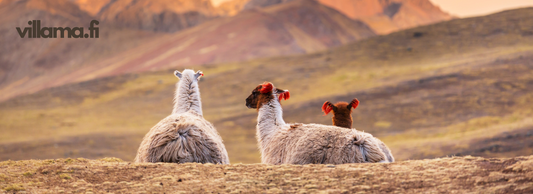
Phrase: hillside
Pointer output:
(29, 64)
(111, 175)
(292, 28)
(457, 87)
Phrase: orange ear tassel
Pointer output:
(354, 103)
(326, 108)
(285, 95)
(266, 87)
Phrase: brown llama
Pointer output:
(342, 117)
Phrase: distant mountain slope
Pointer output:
(292, 28)
(161, 15)
(92, 7)
(383, 16)
(453, 88)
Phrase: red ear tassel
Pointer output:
(285, 95)
(266, 87)
(326, 108)
(354, 103)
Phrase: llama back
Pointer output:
(322, 144)
(181, 138)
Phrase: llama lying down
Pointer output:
(342, 117)
(184, 136)
(282, 143)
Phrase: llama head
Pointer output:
(342, 112)
(263, 93)
(340, 107)
(189, 74)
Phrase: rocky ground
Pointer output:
(111, 175)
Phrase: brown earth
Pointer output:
(111, 175)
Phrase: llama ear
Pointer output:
(266, 87)
(177, 74)
(327, 107)
(283, 94)
(353, 104)
(198, 75)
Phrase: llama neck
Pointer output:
(342, 121)
(269, 121)
(187, 97)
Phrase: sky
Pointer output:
(467, 8)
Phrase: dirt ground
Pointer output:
(111, 175)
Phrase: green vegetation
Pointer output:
(14, 187)
(64, 176)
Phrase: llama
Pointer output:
(282, 143)
(342, 112)
(342, 117)
(184, 136)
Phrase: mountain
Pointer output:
(386, 16)
(161, 15)
(383, 16)
(157, 15)
(293, 28)
(460, 87)
(92, 7)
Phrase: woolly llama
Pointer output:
(282, 143)
(342, 117)
(184, 136)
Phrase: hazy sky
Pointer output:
(467, 8)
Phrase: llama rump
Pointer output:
(342, 117)
(184, 136)
(282, 143)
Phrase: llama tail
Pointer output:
(182, 143)
(386, 151)
(369, 147)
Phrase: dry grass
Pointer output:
(441, 175)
